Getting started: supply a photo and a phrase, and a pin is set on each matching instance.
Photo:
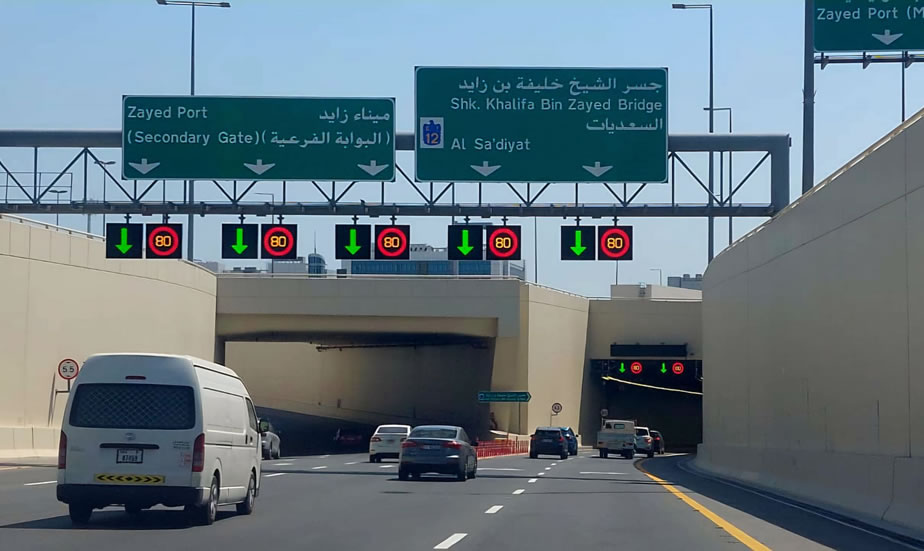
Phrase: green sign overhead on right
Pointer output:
(866, 26)
(498, 124)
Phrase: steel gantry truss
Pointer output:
(136, 197)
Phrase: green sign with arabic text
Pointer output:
(239, 138)
(492, 124)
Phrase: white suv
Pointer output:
(644, 443)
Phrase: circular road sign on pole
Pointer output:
(556, 408)
(604, 412)
(68, 369)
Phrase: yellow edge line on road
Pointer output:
(733, 530)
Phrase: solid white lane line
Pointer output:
(13, 468)
(532, 480)
(518, 492)
(450, 541)
(41, 483)
(281, 464)
(323, 456)
(272, 475)
(496, 469)
(352, 463)
(317, 468)
(598, 472)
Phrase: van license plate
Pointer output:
(129, 456)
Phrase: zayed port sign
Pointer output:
(491, 124)
(238, 138)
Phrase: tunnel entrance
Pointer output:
(310, 386)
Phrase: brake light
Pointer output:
(62, 451)
(198, 460)
(454, 445)
(376, 439)
(408, 444)
(561, 439)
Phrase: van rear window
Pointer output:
(133, 406)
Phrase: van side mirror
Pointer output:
(264, 426)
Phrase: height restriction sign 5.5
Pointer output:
(391, 242)
(164, 240)
(503, 243)
(614, 243)
(279, 241)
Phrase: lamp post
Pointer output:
(101, 164)
(272, 197)
(191, 220)
(731, 181)
(660, 278)
(57, 193)
(711, 110)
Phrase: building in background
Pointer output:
(316, 264)
(429, 260)
(686, 282)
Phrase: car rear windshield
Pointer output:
(133, 406)
(433, 433)
(641, 432)
(548, 433)
(391, 430)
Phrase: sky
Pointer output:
(67, 63)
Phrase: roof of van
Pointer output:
(192, 359)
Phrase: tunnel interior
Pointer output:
(309, 386)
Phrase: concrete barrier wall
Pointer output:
(813, 348)
(60, 298)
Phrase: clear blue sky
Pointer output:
(66, 64)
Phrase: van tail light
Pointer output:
(409, 444)
(376, 439)
(454, 445)
(561, 438)
(198, 462)
(62, 451)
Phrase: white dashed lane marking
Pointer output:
(493, 509)
(272, 475)
(518, 492)
(450, 541)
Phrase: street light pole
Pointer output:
(660, 278)
(191, 219)
(711, 218)
(57, 193)
(731, 180)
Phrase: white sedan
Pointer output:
(386, 442)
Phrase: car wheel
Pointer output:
(133, 510)
(474, 472)
(246, 506)
(462, 475)
(372, 459)
(534, 456)
(650, 454)
(402, 474)
(416, 476)
(205, 515)
(564, 456)
(79, 513)
(602, 453)
(278, 453)
(266, 454)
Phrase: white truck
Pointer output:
(616, 436)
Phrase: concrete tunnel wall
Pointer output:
(413, 385)
(61, 298)
(813, 324)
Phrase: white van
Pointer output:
(147, 429)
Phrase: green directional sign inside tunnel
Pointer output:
(491, 124)
(516, 396)
(865, 26)
(240, 138)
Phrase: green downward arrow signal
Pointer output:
(663, 368)
(622, 367)
(239, 246)
(124, 246)
(353, 248)
(577, 248)
(465, 248)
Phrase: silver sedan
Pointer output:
(442, 449)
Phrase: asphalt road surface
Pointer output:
(342, 502)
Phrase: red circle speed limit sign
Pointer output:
(68, 369)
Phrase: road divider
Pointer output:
(497, 448)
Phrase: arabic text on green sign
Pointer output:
(208, 137)
(490, 124)
(853, 26)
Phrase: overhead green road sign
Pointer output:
(855, 26)
(491, 124)
(520, 396)
(238, 138)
